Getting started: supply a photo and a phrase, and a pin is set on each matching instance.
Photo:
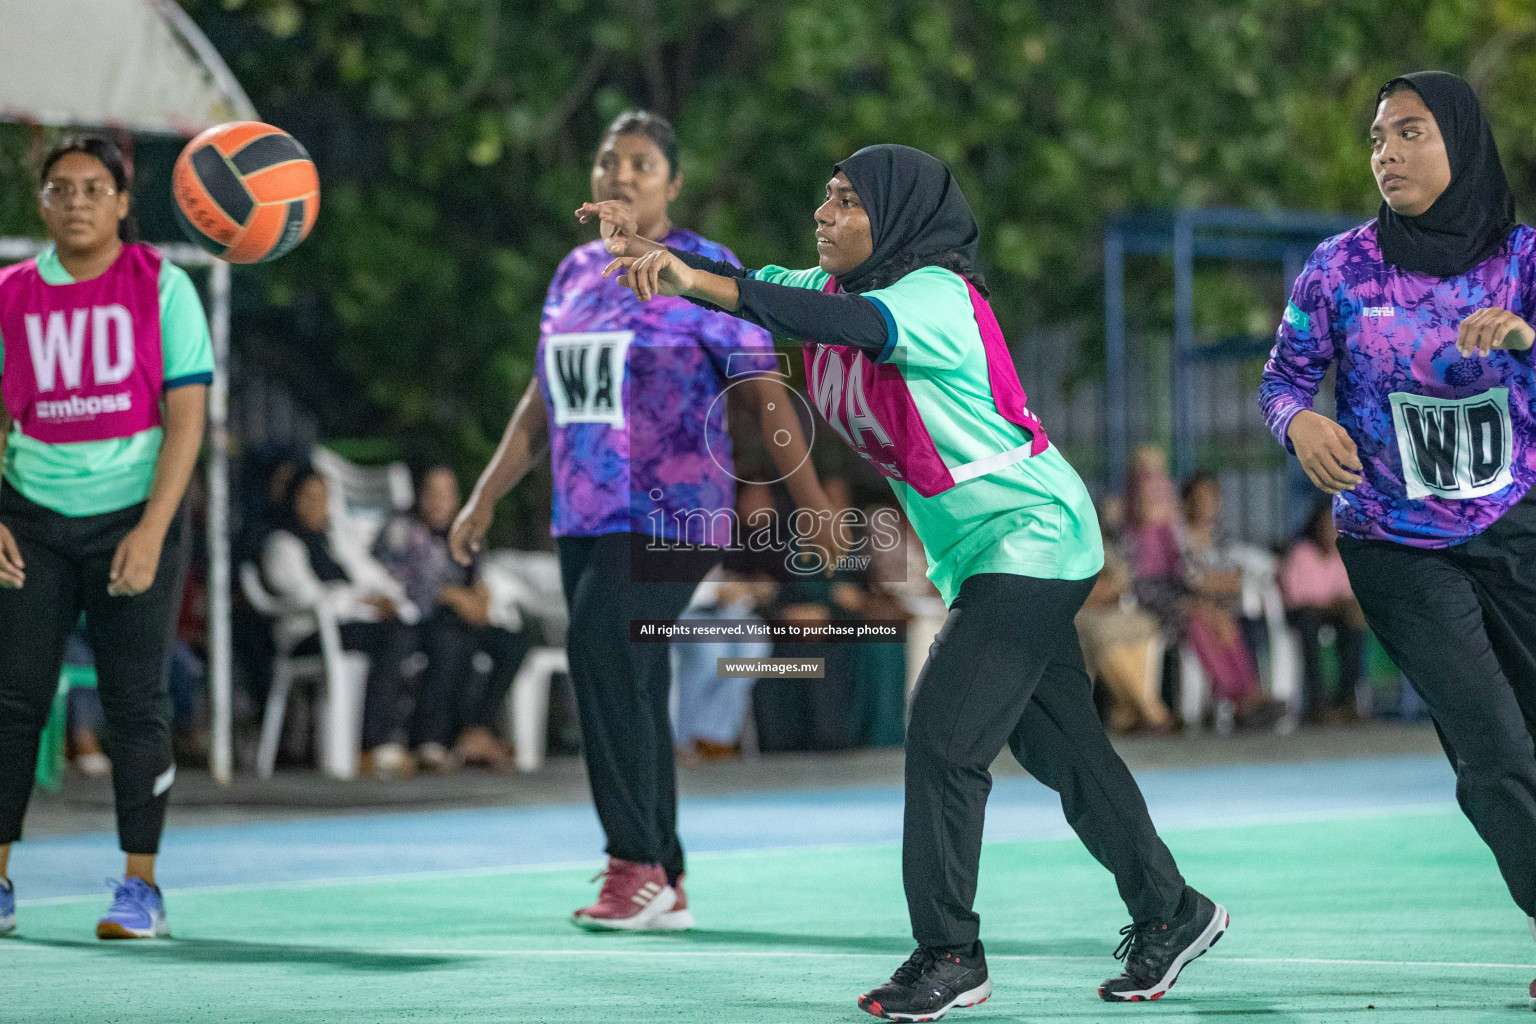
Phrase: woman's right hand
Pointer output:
(617, 225)
(12, 572)
(467, 534)
(1325, 451)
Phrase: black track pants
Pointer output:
(68, 560)
(1007, 668)
(446, 704)
(1460, 623)
(622, 688)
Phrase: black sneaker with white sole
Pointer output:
(1155, 952)
(1530, 920)
(932, 982)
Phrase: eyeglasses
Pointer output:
(59, 194)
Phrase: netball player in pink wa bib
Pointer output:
(104, 366)
(906, 362)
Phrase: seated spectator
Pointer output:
(265, 473)
(711, 709)
(1317, 594)
(792, 713)
(1151, 540)
(1214, 577)
(877, 592)
(304, 564)
(83, 714)
(187, 668)
(455, 606)
(902, 570)
(1191, 601)
(1119, 639)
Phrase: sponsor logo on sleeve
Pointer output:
(1300, 322)
(1454, 448)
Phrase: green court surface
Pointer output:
(1398, 917)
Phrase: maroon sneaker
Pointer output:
(678, 919)
(634, 898)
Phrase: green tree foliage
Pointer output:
(454, 139)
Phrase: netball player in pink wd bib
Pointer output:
(106, 362)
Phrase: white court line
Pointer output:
(1283, 818)
(1269, 961)
(780, 954)
(325, 883)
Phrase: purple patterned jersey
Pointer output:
(1447, 443)
(628, 387)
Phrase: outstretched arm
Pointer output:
(798, 313)
(621, 237)
(720, 268)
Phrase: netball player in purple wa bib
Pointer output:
(625, 396)
(106, 362)
(1426, 311)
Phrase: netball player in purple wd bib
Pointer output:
(1427, 312)
(106, 362)
(625, 397)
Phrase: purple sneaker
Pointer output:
(137, 912)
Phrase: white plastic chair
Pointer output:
(343, 676)
(1285, 672)
(1195, 692)
(528, 704)
(364, 497)
(525, 591)
(927, 615)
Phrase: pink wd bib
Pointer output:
(870, 405)
(83, 361)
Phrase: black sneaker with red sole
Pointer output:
(1155, 952)
(932, 982)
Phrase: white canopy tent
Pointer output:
(140, 65)
(143, 66)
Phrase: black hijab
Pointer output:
(917, 215)
(326, 568)
(1476, 212)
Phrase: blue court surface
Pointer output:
(1020, 808)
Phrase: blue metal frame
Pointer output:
(1286, 237)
